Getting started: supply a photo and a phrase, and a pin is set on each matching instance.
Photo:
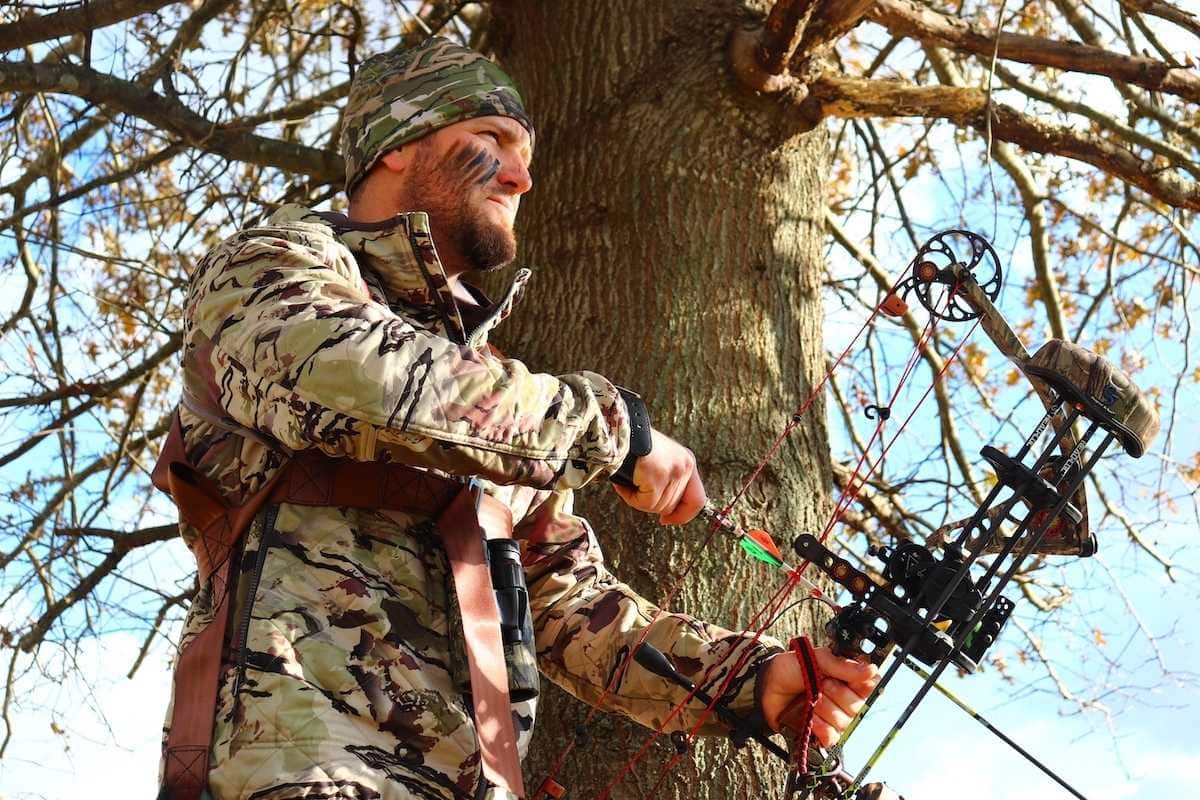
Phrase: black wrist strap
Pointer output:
(639, 437)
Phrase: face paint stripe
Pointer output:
(477, 161)
(491, 173)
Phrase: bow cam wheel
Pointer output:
(943, 267)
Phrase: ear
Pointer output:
(394, 160)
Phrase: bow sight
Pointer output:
(886, 614)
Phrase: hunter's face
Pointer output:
(469, 177)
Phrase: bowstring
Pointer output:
(794, 421)
(848, 495)
(849, 492)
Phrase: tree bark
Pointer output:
(675, 229)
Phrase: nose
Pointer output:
(514, 175)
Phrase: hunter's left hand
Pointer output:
(845, 684)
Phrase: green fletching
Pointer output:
(758, 551)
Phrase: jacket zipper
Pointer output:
(243, 629)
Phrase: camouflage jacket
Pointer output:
(340, 677)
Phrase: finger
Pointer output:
(845, 697)
(864, 688)
(634, 498)
(691, 500)
(845, 669)
(661, 500)
(650, 479)
(826, 735)
(674, 482)
(829, 711)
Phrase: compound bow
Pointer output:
(928, 605)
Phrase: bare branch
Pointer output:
(172, 116)
(793, 38)
(1031, 198)
(936, 363)
(1157, 8)
(188, 32)
(1106, 121)
(855, 97)
(136, 168)
(154, 630)
(100, 389)
(782, 33)
(908, 18)
(834, 19)
(1131, 530)
(121, 547)
(33, 28)
(1088, 33)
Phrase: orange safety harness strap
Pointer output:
(465, 517)
(472, 518)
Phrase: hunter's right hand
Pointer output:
(668, 482)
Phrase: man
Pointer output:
(319, 343)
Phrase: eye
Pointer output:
(495, 136)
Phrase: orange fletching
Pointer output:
(764, 540)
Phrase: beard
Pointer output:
(485, 245)
(458, 221)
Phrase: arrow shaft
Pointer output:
(975, 715)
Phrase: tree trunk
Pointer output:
(675, 230)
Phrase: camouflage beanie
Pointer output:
(400, 96)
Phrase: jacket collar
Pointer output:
(399, 252)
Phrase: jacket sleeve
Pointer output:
(282, 336)
(586, 623)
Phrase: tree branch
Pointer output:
(936, 363)
(121, 547)
(907, 18)
(782, 32)
(1157, 8)
(856, 97)
(1106, 121)
(172, 116)
(33, 28)
(834, 19)
(100, 389)
(1031, 198)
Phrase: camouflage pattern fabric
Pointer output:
(1108, 394)
(401, 96)
(341, 674)
(1063, 537)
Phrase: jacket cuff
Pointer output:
(744, 695)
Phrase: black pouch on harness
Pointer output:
(516, 623)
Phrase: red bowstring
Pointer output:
(785, 590)
(802, 409)
(847, 497)
(793, 422)
(849, 493)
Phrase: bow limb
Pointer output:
(1009, 343)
